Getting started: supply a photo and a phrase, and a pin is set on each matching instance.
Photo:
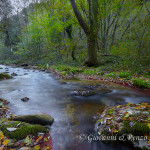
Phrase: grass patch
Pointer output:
(113, 75)
(126, 75)
(140, 83)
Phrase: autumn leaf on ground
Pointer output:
(27, 140)
(148, 125)
(148, 143)
(39, 139)
(5, 142)
(1, 148)
(45, 139)
(1, 135)
(37, 147)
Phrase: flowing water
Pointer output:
(73, 115)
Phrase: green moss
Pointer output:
(5, 76)
(138, 128)
(140, 83)
(23, 129)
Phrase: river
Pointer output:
(73, 115)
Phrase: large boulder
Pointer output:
(127, 123)
(42, 119)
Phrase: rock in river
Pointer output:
(84, 93)
(21, 129)
(5, 76)
(25, 99)
(42, 119)
(13, 74)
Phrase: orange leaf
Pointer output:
(39, 139)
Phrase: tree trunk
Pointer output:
(92, 51)
(90, 30)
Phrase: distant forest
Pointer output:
(112, 33)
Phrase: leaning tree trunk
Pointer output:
(92, 51)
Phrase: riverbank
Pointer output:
(124, 78)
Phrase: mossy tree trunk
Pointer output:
(91, 51)
(90, 29)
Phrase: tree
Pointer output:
(90, 28)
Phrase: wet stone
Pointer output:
(14, 74)
(84, 93)
(25, 99)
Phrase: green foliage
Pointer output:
(140, 83)
(147, 74)
(65, 69)
(37, 35)
(126, 75)
(113, 75)
(63, 73)
(90, 72)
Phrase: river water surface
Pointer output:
(73, 115)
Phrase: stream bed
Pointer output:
(73, 114)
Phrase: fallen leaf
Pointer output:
(40, 138)
(148, 143)
(27, 140)
(45, 139)
(1, 135)
(5, 142)
(148, 125)
(127, 116)
(37, 147)
(1, 148)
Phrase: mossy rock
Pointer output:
(22, 131)
(131, 120)
(41, 118)
(5, 76)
